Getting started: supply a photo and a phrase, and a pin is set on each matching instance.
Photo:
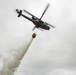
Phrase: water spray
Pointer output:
(11, 61)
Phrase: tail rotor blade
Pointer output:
(45, 10)
(19, 12)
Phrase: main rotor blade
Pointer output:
(50, 25)
(34, 28)
(28, 12)
(45, 10)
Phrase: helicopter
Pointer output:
(35, 20)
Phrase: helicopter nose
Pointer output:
(48, 28)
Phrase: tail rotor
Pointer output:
(19, 12)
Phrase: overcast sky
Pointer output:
(52, 52)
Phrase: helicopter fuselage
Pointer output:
(37, 22)
(40, 24)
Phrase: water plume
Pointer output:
(11, 58)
